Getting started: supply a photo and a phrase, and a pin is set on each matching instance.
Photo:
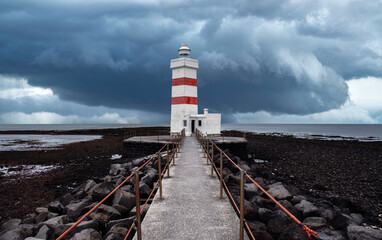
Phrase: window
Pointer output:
(200, 123)
(184, 123)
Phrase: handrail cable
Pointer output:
(311, 233)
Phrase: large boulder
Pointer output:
(87, 234)
(11, 224)
(307, 208)
(250, 190)
(90, 184)
(363, 233)
(125, 222)
(151, 176)
(278, 191)
(105, 212)
(74, 210)
(293, 232)
(116, 169)
(101, 190)
(117, 232)
(14, 234)
(45, 233)
(56, 207)
(125, 199)
(265, 215)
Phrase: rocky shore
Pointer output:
(328, 185)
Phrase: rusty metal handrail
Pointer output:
(177, 143)
(201, 138)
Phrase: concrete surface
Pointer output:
(191, 208)
(150, 139)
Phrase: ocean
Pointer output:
(362, 132)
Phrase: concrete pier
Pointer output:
(191, 208)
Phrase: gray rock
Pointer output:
(125, 199)
(87, 234)
(82, 226)
(278, 191)
(115, 169)
(34, 238)
(330, 234)
(265, 215)
(144, 189)
(56, 207)
(315, 222)
(90, 184)
(105, 212)
(74, 210)
(356, 219)
(66, 199)
(44, 233)
(262, 202)
(150, 177)
(122, 210)
(133, 211)
(14, 234)
(125, 222)
(127, 188)
(363, 233)
(307, 208)
(244, 166)
(56, 221)
(117, 230)
(101, 190)
(27, 230)
(278, 225)
(262, 235)
(297, 199)
(41, 217)
(41, 210)
(256, 226)
(293, 232)
(250, 190)
(340, 221)
(80, 195)
(11, 224)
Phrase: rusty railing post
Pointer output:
(160, 176)
(168, 161)
(177, 146)
(208, 150)
(138, 206)
(221, 174)
(212, 161)
(204, 147)
(241, 205)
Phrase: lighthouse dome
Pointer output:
(184, 50)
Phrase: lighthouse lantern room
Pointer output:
(184, 98)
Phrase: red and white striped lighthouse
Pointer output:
(184, 96)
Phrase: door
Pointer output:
(192, 126)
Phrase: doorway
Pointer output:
(192, 126)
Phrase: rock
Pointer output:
(117, 230)
(27, 230)
(52, 215)
(125, 222)
(101, 190)
(315, 222)
(256, 226)
(41, 217)
(56, 221)
(33, 238)
(125, 199)
(44, 233)
(80, 195)
(265, 215)
(278, 191)
(56, 207)
(66, 199)
(14, 234)
(244, 166)
(363, 233)
(133, 211)
(307, 208)
(60, 229)
(328, 214)
(293, 232)
(41, 210)
(87, 234)
(127, 188)
(278, 225)
(290, 208)
(330, 234)
(105, 212)
(151, 176)
(90, 184)
(262, 235)
(122, 210)
(74, 210)
(115, 169)
(262, 202)
(144, 189)
(250, 190)
(297, 199)
(339, 221)
(11, 224)
(114, 236)
(356, 219)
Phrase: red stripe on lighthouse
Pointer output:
(184, 100)
(184, 81)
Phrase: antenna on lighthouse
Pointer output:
(184, 51)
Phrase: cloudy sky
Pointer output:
(271, 61)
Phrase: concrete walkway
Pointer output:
(191, 208)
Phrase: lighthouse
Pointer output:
(184, 98)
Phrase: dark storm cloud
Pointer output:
(288, 57)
